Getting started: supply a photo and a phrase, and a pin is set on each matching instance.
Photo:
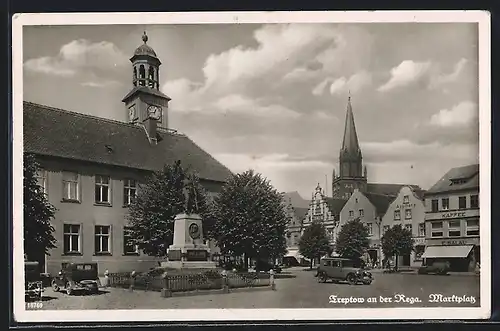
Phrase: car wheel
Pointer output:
(322, 278)
(55, 287)
(351, 279)
(368, 282)
(69, 290)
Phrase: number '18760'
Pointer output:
(34, 305)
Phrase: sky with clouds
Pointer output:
(273, 97)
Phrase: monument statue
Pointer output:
(190, 195)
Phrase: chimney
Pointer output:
(151, 127)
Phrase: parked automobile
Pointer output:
(266, 266)
(33, 285)
(77, 277)
(342, 269)
(437, 268)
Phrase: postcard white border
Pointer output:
(171, 315)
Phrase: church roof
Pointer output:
(457, 179)
(350, 142)
(392, 189)
(380, 201)
(335, 205)
(59, 133)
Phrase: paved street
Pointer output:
(301, 292)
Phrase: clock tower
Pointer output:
(145, 104)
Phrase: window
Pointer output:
(102, 189)
(129, 191)
(386, 228)
(361, 213)
(397, 215)
(71, 186)
(462, 202)
(408, 227)
(445, 203)
(336, 263)
(434, 205)
(102, 239)
(473, 227)
(351, 213)
(369, 226)
(436, 229)
(71, 240)
(130, 249)
(474, 201)
(454, 229)
(408, 214)
(42, 180)
(421, 229)
(406, 199)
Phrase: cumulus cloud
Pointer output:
(243, 105)
(354, 83)
(76, 56)
(404, 74)
(462, 114)
(441, 79)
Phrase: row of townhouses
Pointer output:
(443, 220)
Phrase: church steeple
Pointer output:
(350, 142)
(351, 174)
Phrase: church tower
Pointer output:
(145, 104)
(351, 173)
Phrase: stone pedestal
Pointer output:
(188, 249)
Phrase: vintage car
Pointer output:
(33, 286)
(437, 268)
(342, 269)
(77, 277)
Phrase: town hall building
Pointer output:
(92, 168)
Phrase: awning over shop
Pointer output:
(447, 251)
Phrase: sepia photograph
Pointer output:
(251, 166)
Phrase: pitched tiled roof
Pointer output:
(59, 133)
(335, 205)
(389, 189)
(456, 179)
(145, 90)
(380, 201)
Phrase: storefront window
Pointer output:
(436, 229)
(454, 229)
(419, 251)
(473, 227)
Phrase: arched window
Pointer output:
(142, 72)
(151, 74)
(135, 73)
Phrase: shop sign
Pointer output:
(453, 214)
(419, 241)
(453, 242)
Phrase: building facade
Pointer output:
(452, 219)
(408, 210)
(369, 208)
(92, 169)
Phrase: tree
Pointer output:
(314, 242)
(249, 219)
(158, 201)
(352, 240)
(397, 241)
(38, 212)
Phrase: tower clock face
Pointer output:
(154, 112)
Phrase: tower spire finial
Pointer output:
(349, 97)
(145, 37)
